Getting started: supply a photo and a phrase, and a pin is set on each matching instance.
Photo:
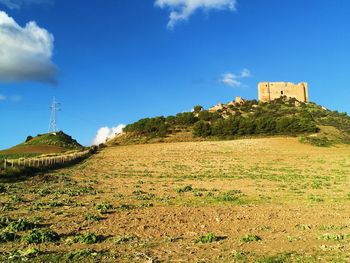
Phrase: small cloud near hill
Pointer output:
(105, 133)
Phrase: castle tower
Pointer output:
(273, 90)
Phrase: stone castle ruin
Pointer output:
(273, 90)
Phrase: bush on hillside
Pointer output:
(202, 129)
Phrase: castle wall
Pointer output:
(273, 90)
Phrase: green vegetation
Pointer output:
(7, 236)
(208, 238)
(187, 188)
(37, 236)
(86, 238)
(59, 139)
(283, 116)
(49, 143)
(250, 238)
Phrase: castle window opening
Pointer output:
(281, 92)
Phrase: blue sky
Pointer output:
(115, 61)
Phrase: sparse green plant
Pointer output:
(20, 225)
(124, 239)
(250, 238)
(104, 207)
(2, 189)
(37, 236)
(86, 238)
(187, 188)
(7, 236)
(126, 207)
(25, 255)
(81, 254)
(334, 237)
(93, 218)
(4, 221)
(208, 238)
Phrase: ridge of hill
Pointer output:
(284, 116)
(48, 143)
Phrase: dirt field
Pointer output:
(264, 200)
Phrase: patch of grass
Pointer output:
(2, 189)
(37, 236)
(93, 218)
(187, 188)
(81, 254)
(25, 255)
(124, 239)
(104, 207)
(20, 225)
(42, 205)
(279, 258)
(7, 236)
(334, 237)
(208, 238)
(126, 207)
(316, 141)
(316, 198)
(5, 221)
(87, 238)
(16, 199)
(250, 238)
(230, 196)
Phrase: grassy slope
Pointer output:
(42, 144)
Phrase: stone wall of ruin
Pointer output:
(273, 90)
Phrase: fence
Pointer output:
(45, 161)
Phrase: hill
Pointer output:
(284, 116)
(42, 144)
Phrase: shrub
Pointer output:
(185, 118)
(201, 129)
(37, 236)
(149, 126)
(197, 109)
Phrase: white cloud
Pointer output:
(25, 52)
(181, 10)
(17, 4)
(2, 97)
(234, 80)
(105, 133)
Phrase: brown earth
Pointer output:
(292, 196)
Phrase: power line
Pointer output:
(53, 118)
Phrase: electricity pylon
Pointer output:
(55, 107)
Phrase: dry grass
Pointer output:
(152, 202)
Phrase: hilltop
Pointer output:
(43, 144)
(283, 116)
